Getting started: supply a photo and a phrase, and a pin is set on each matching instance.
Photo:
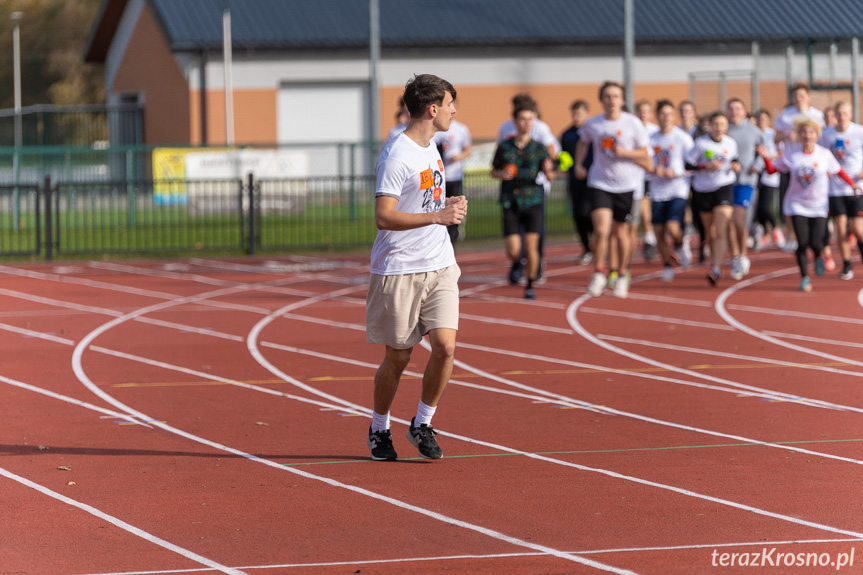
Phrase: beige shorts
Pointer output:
(401, 309)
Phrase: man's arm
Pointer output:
(387, 217)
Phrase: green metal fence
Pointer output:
(79, 208)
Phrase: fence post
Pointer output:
(49, 232)
(252, 199)
(352, 198)
(131, 179)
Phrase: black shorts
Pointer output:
(706, 201)
(619, 204)
(516, 220)
(851, 206)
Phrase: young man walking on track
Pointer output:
(413, 285)
(620, 156)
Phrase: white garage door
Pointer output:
(323, 112)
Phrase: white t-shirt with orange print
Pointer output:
(414, 175)
(608, 172)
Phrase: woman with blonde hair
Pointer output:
(806, 203)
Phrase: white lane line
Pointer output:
(580, 329)
(252, 344)
(657, 318)
(149, 537)
(782, 335)
(514, 323)
(61, 397)
(723, 312)
(785, 312)
(714, 353)
(761, 544)
(35, 334)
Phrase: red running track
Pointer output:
(209, 416)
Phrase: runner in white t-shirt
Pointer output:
(784, 125)
(644, 111)
(669, 187)
(810, 167)
(455, 145)
(845, 141)
(714, 159)
(413, 286)
(619, 159)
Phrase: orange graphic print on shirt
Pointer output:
(426, 179)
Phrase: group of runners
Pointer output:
(719, 176)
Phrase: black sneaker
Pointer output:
(515, 273)
(649, 251)
(528, 293)
(423, 439)
(713, 277)
(381, 445)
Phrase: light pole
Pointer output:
(227, 48)
(16, 158)
(16, 51)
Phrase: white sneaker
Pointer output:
(745, 264)
(621, 288)
(597, 284)
(668, 274)
(736, 270)
(684, 254)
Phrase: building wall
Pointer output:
(486, 81)
(148, 66)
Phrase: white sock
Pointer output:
(424, 414)
(380, 422)
(650, 238)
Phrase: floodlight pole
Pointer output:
(374, 57)
(228, 69)
(16, 49)
(628, 52)
(19, 136)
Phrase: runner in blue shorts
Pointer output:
(670, 188)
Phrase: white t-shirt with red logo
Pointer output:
(707, 150)
(809, 182)
(608, 172)
(670, 151)
(847, 147)
(415, 176)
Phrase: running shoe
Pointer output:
(597, 284)
(528, 293)
(668, 274)
(423, 439)
(649, 251)
(587, 258)
(684, 254)
(540, 274)
(736, 269)
(745, 265)
(779, 238)
(846, 274)
(805, 285)
(515, 273)
(612, 279)
(381, 445)
(621, 288)
(790, 247)
(820, 266)
(713, 276)
(829, 264)
(757, 237)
